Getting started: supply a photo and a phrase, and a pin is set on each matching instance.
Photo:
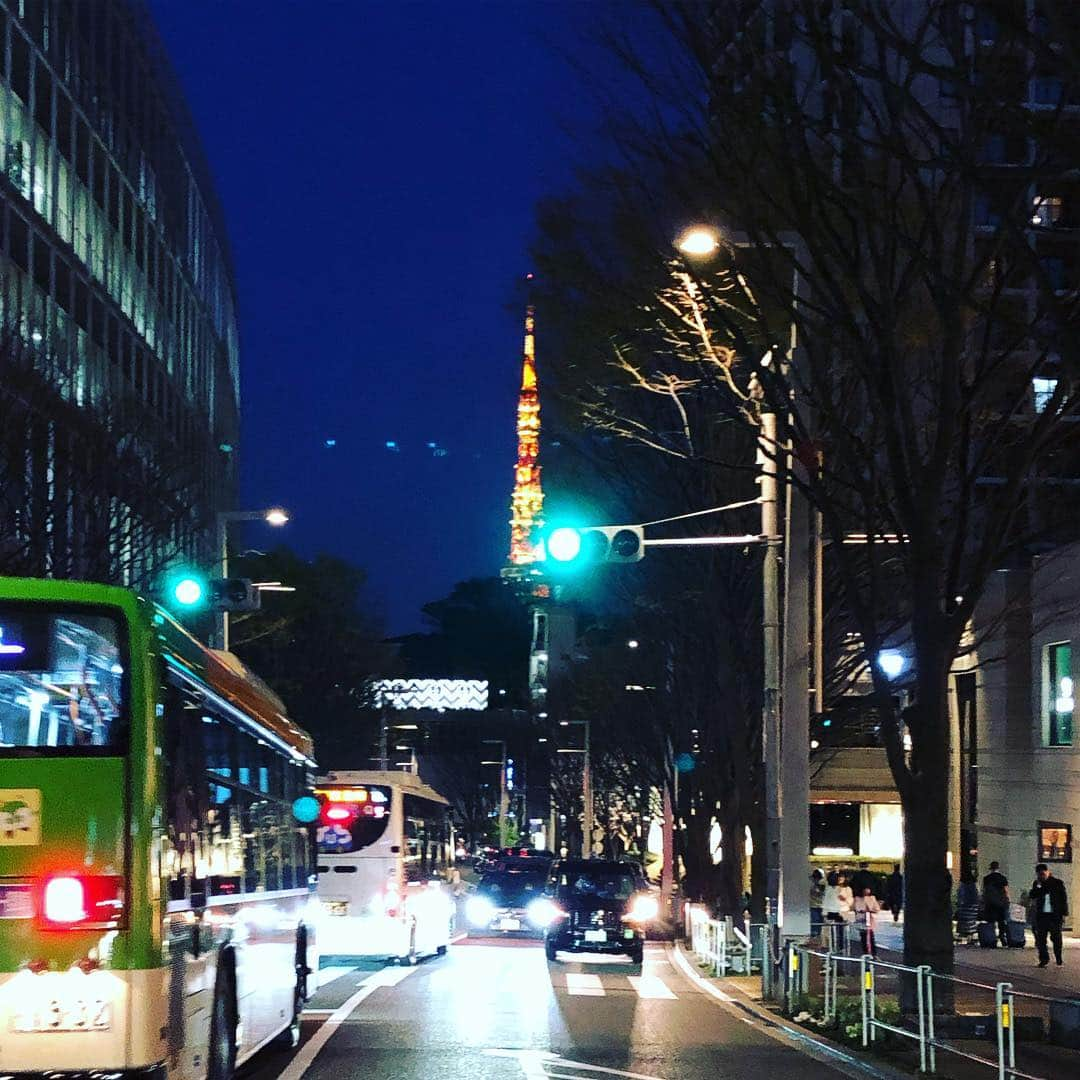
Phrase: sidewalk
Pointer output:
(1018, 966)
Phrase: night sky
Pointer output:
(379, 166)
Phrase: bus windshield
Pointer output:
(62, 681)
(352, 818)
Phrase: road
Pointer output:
(499, 1011)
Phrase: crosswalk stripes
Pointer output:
(584, 985)
(650, 987)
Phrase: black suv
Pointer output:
(596, 906)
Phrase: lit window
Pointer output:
(1047, 210)
(1059, 694)
(1043, 390)
(1055, 842)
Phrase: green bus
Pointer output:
(156, 892)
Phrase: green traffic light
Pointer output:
(187, 591)
(564, 544)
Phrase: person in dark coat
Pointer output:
(1049, 905)
(894, 892)
(995, 900)
(863, 879)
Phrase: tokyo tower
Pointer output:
(527, 501)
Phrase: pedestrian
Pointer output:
(995, 901)
(894, 892)
(830, 898)
(817, 893)
(862, 879)
(967, 905)
(866, 909)
(1049, 905)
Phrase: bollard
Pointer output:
(1003, 1000)
(863, 986)
(927, 980)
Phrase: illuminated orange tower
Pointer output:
(527, 502)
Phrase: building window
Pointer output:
(1043, 391)
(1059, 695)
(1055, 842)
(1047, 210)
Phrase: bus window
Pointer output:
(187, 795)
(352, 819)
(426, 837)
(62, 683)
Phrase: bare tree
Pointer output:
(888, 190)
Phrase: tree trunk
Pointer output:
(928, 934)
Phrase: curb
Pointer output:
(780, 1029)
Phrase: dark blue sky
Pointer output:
(379, 165)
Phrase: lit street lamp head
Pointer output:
(699, 241)
(276, 516)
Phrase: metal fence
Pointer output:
(970, 1020)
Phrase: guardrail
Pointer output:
(730, 948)
(801, 968)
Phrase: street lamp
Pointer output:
(699, 241)
(786, 763)
(274, 516)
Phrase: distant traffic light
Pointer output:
(595, 544)
(234, 594)
(186, 592)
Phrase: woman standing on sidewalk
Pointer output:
(867, 908)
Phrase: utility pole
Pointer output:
(795, 736)
(770, 733)
(587, 800)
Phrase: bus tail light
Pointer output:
(81, 901)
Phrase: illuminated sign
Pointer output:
(346, 795)
(439, 695)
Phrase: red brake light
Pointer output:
(65, 900)
(339, 813)
(76, 901)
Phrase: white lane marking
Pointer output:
(538, 1063)
(780, 1031)
(681, 963)
(310, 1050)
(584, 985)
(651, 986)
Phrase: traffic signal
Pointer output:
(186, 591)
(595, 544)
(234, 594)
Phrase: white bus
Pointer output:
(384, 845)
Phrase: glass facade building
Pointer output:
(119, 369)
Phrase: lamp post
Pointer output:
(587, 822)
(274, 516)
(785, 705)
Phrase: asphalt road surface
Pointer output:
(493, 1010)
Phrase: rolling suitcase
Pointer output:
(987, 935)
(1016, 933)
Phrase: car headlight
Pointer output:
(479, 910)
(543, 912)
(642, 909)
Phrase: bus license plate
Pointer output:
(509, 924)
(62, 1014)
(596, 935)
(336, 907)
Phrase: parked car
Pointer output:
(595, 906)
